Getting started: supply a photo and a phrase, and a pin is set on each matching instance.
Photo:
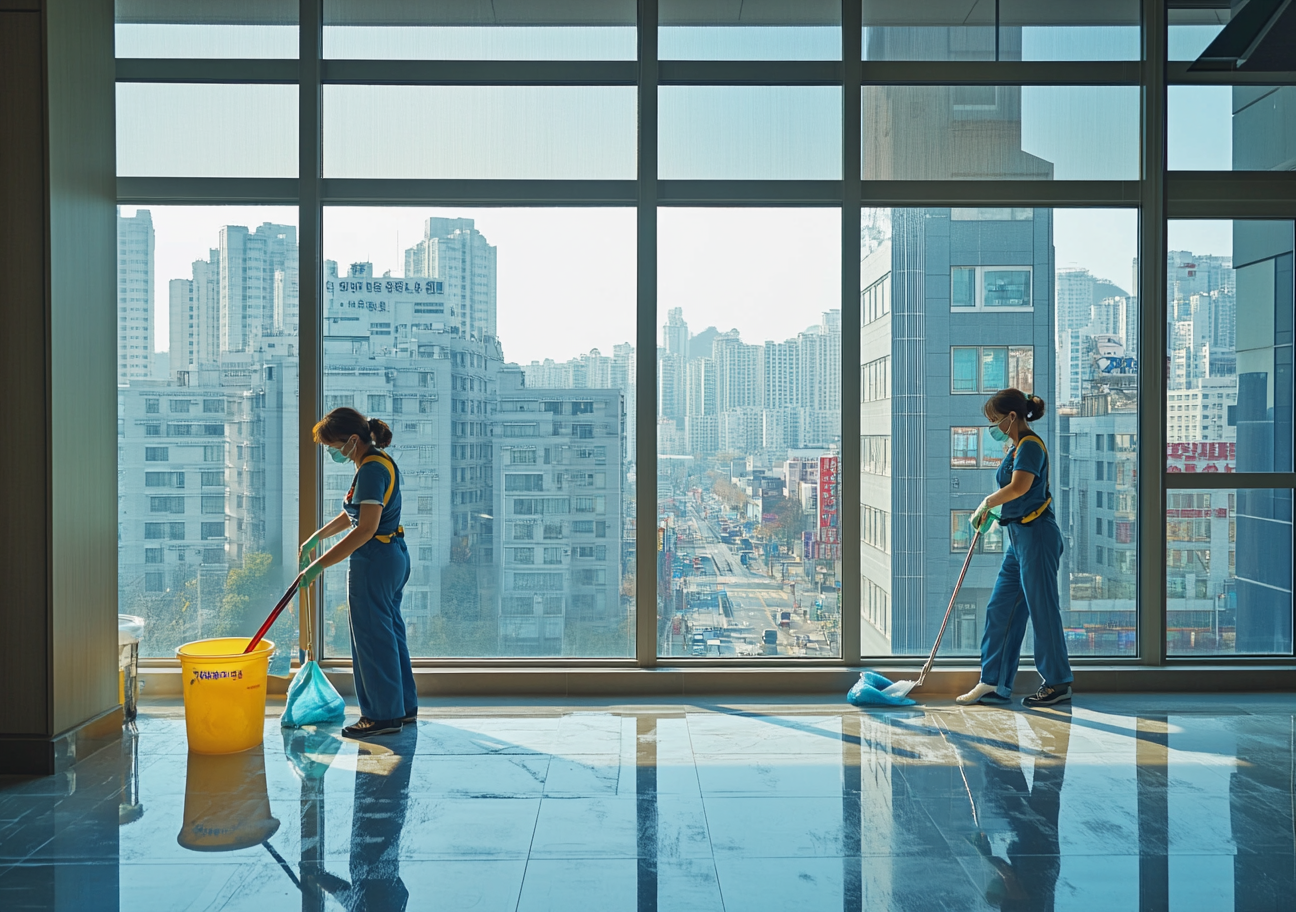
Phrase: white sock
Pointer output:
(976, 693)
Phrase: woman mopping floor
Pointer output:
(380, 567)
(1027, 587)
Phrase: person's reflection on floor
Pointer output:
(381, 796)
(1028, 878)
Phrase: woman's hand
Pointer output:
(310, 573)
(304, 552)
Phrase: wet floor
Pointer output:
(1150, 802)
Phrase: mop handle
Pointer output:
(308, 620)
(274, 615)
(931, 659)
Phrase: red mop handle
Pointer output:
(274, 615)
(931, 659)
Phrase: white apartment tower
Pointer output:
(254, 267)
(455, 252)
(134, 296)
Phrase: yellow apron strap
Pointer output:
(391, 488)
(1048, 499)
(391, 473)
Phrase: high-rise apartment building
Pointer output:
(135, 317)
(257, 284)
(558, 511)
(928, 364)
(454, 251)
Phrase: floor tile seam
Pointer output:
(706, 820)
(526, 863)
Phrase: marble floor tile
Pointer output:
(1180, 803)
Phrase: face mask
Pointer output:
(337, 454)
(999, 435)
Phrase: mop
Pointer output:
(312, 699)
(873, 689)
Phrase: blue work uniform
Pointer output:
(380, 660)
(1027, 586)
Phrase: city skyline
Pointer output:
(707, 261)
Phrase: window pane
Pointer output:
(1230, 128)
(963, 447)
(187, 130)
(750, 132)
(1000, 132)
(535, 132)
(994, 369)
(720, 30)
(1027, 30)
(964, 369)
(1229, 572)
(206, 28)
(1192, 30)
(749, 433)
(207, 401)
(1021, 368)
(1229, 346)
(1036, 349)
(963, 286)
(510, 423)
(393, 30)
(1007, 288)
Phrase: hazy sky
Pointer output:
(567, 276)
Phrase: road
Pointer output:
(756, 598)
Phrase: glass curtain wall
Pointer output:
(501, 205)
(957, 304)
(512, 418)
(207, 387)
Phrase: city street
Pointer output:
(756, 598)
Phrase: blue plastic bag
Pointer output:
(868, 691)
(312, 700)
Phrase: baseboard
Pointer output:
(35, 755)
(831, 682)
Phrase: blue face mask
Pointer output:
(999, 435)
(337, 454)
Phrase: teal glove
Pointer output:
(303, 554)
(310, 575)
(983, 516)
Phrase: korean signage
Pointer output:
(1204, 457)
(827, 492)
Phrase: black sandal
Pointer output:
(366, 727)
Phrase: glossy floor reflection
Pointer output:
(1139, 802)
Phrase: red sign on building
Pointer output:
(827, 492)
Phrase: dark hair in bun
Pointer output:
(381, 434)
(341, 424)
(1030, 408)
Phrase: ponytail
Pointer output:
(380, 433)
(341, 424)
(1029, 408)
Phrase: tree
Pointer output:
(789, 521)
(250, 592)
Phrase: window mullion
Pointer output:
(310, 337)
(646, 594)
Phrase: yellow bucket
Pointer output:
(224, 693)
(226, 805)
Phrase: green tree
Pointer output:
(250, 592)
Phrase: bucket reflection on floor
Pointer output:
(226, 804)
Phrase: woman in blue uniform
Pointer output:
(1027, 586)
(380, 567)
